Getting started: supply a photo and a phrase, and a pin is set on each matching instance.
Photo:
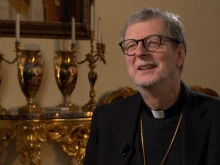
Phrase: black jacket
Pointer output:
(115, 125)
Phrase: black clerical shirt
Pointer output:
(158, 134)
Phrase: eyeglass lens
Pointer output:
(150, 43)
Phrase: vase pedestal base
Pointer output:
(90, 106)
(30, 109)
(70, 107)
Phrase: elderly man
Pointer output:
(165, 123)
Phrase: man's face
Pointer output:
(158, 67)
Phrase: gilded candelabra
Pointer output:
(2, 109)
(92, 58)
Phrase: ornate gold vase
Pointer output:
(30, 71)
(66, 73)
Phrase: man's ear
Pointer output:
(181, 55)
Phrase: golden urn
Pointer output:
(30, 71)
(66, 73)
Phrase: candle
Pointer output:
(73, 31)
(92, 17)
(17, 28)
(99, 40)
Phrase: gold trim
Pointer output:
(207, 91)
(71, 134)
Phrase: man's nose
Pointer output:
(140, 50)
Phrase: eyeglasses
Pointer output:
(151, 43)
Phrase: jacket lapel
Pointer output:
(129, 123)
(195, 129)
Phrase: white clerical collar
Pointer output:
(158, 114)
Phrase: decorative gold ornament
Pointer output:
(6, 132)
(72, 139)
(207, 91)
(66, 73)
(30, 71)
(92, 58)
(115, 95)
(28, 138)
(72, 134)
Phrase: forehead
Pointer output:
(142, 29)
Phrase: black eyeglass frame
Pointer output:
(142, 40)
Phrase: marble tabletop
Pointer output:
(46, 114)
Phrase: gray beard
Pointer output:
(153, 87)
(149, 89)
(162, 80)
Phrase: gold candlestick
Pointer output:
(17, 47)
(92, 58)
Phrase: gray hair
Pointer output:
(175, 27)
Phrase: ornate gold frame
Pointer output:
(58, 30)
(117, 95)
(207, 91)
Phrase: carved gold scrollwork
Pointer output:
(76, 145)
(115, 95)
(28, 141)
(58, 133)
(207, 91)
(71, 134)
(5, 134)
(73, 139)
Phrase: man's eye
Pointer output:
(131, 46)
(153, 43)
